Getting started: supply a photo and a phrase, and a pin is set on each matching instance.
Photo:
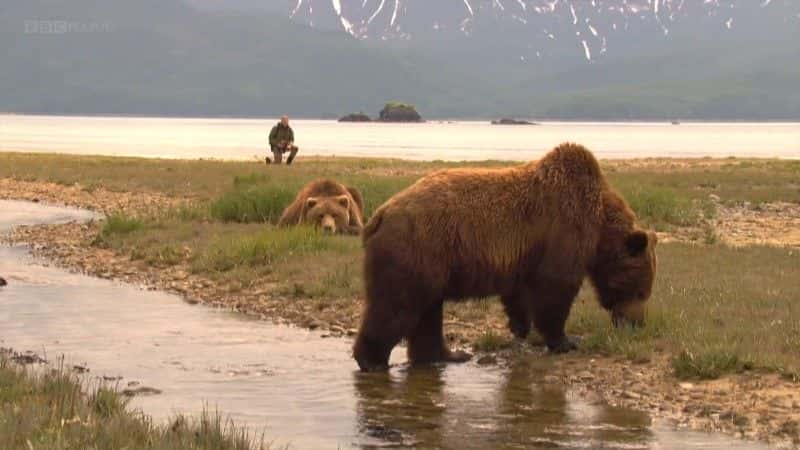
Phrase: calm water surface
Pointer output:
(296, 386)
(246, 138)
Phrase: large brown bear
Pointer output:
(329, 205)
(529, 234)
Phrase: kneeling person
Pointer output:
(281, 140)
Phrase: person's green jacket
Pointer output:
(280, 133)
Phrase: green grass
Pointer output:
(707, 365)
(490, 341)
(53, 409)
(658, 206)
(252, 204)
(116, 227)
(121, 224)
(265, 249)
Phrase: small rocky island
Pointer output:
(355, 117)
(392, 112)
(506, 121)
(399, 112)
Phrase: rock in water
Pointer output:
(506, 121)
(399, 112)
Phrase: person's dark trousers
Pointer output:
(278, 153)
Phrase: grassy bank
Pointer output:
(53, 409)
(715, 309)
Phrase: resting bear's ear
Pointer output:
(311, 202)
(636, 243)
(343, 200)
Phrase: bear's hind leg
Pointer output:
(551, 305)
(517, 307)
(426, 343)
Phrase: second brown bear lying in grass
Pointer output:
(529, 234)
(329, 205)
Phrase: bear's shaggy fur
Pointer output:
(332, 206)
(529, 234)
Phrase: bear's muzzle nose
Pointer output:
(630, 314)
(328, 224)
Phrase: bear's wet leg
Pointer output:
(519, 316)
(380, 332)
(426, 343)
(551, 306)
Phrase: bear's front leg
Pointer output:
(380, 331)
(551, 304)
(371, 354)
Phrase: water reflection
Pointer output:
(502, 408)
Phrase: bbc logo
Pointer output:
(65, 27)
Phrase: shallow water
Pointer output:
(296, 386)
(246, 138)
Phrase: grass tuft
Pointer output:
(121, 224)
(260, 203)
(658, 206)
(264, 249)
(709, 364)
(489, 341)
(117, 226)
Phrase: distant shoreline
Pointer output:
(429, 120)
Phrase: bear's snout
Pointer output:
(629, 314)
(328, 224)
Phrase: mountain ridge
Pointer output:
(247, 58)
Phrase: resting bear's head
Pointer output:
(623, 274)
(332, 214)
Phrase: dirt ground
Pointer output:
(752, 405)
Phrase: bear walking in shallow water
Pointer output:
(329, 205)
(529, 234)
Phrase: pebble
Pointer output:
(486, 360)
(586, 376)
(631, 395)
(551, 379)
(143, 390)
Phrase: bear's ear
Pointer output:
(343, 200)
(311, 202)
(636, 243)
